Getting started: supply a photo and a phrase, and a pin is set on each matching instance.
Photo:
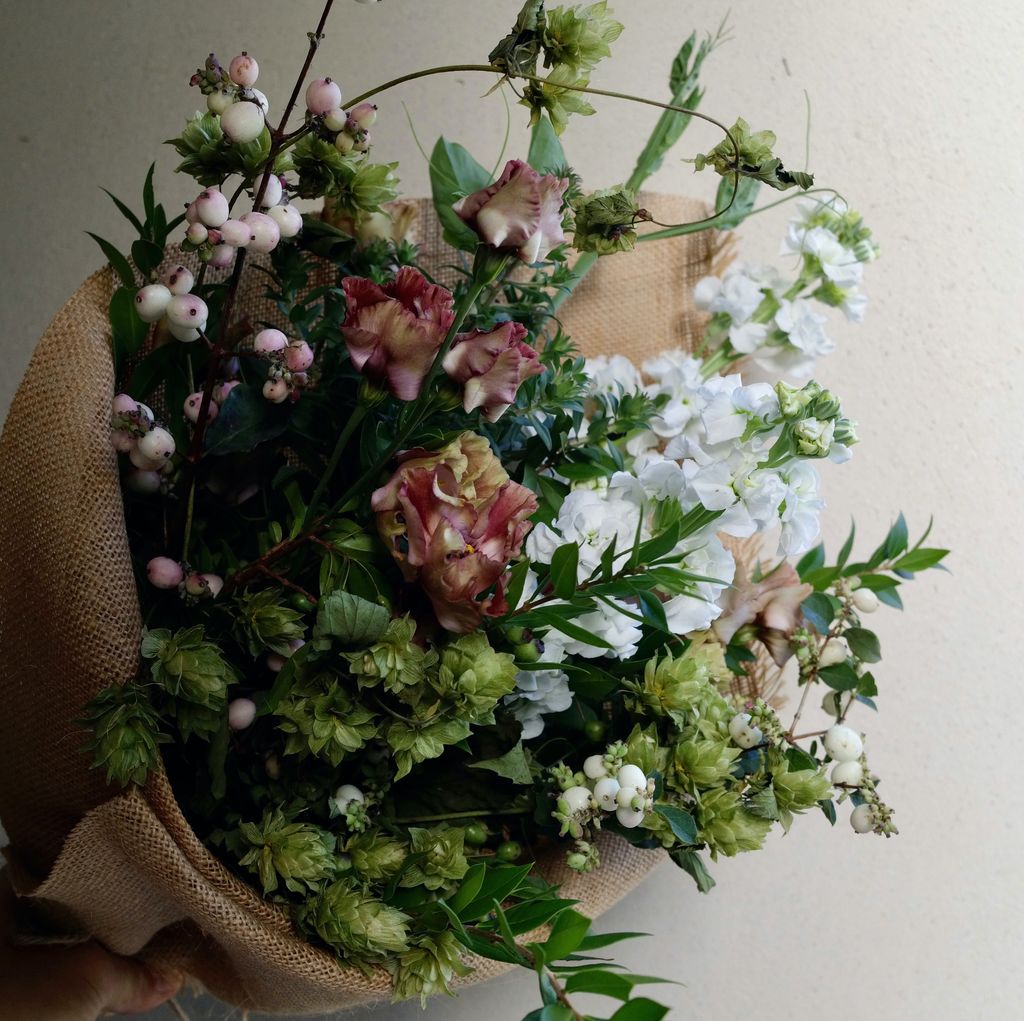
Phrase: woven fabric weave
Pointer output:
(126, 868)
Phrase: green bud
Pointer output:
(125, 734)
(814, 437)
(509, 851)
(594, 730)
(299, 854)
(606, 221)
(527, 652)
(846, 432)
(428, 968)
(265, 624)
(444, 860)
(355, 923)
(476, 835)
(825, 406)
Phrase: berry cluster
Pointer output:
(290, 361)
(185, 313)
(149, 446)
(165, 573)
(614, 786)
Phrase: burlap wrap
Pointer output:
(126, 868)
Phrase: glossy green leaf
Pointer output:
(863, 644)
(680, 822)
(546, 154)
(453, 175)
(564, 564)
(117, 261)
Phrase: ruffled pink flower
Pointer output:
(453, 521)
(772, 605)
(521, 211)
(393, 332)
(491, 367)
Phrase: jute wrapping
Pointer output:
(126, 868)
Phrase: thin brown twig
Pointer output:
(282, 580)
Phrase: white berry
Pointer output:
(146, 482)
(630, 818)
(243, 70)
(264, 234)
(848, 774)
(187, 310)
(272, 193)
(241, 713)
(605, 792)
(335, 120)
(843, 743)
(242, 122)
(192, 405)
(743, 733)
(594, 767)
(262, 101)
(125, 404)
(157, 444)
(577, 799)
(151, 302)
(122, 440)
(214, 583)
(179, 280)
(299, 356)
(140, 461)
(631, 776)
(865, 600)
(344, 142)
(287, 218)
(212, 207)
(322, 96)
(862, 819)
(346, 794)
(222, 256)
(186, 334)
(235, 233)
(196, 233)
(269, 342)
(835, 651)
(222, 390)
(275, 391)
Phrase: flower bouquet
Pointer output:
(406, 637)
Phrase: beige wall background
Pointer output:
(916, 118)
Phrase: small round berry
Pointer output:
(151, 302)
(124, 404)
(476, 834)
(214, 584)
(275, 391)
(187, 310)
(212, 207)
(363, 116)
(606, 790)
(301, 603)
(222, 390)
(269, 342)
(157, 444)
(577, 799)
(191, 215)
(625, 796)
(179, 280)
(165, 573)
(196, 234)
(143, 463)
(299, 356)
(235, 233)
(862, 819)
(629, 818)
(243, 70)
(146, 416)
(219, 100)
(241, 713)
(195, 585)
(509, 851)
(335, 120)
(843, 743)
(594, 730)
(362, 142)
(262, 101)
(348, 793)
(848, 774)
(193, 404)
(287, 218)
(186, 334)
(594, 767)
(322, 96)
(835, 651)
(865, 600)
(122, 441)
(272, 193)
(832, 703)
(742, 733)
(144, 482)
(264, 234)
(222, 256)
(632, 777)
(344, 142)
(242, 122)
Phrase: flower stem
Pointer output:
(339, 448)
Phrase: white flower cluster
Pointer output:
(773, 319)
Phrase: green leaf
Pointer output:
(146, 256)
(890, 597)
(567, 627)
(513, 765)
(551, 1012)
(680, 822)
(159, 365)
(897, 539)
(148, 199)
(564, 562)
(125, 211)
(746, 196)
(820, 611)
(546, 154)
(567, 934)
(245, 421)
(499, 884)
(811, 560)
(863, 644)
(469, 888)
(118, 262)
(828, 808)
(453, 175)
(920, 559)
(691, 862)
(640, 1009)
(847, 548)
(128, 331)
(600, 983)
(517, 582)
(839, 677)
(353, 621)
(533, 914)
(606, 939)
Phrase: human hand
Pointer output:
(78, 983)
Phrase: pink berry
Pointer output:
(145, 482)
(191, 213)
(235, 233)
(275, 391)
(222, 256)
(164, 573)
(242, 122)
(269, 342)
(322, 96)
(143, 463)
(212, 207)
(363, 116)
(157, 444)
(196, 234)
(122, 441)
(187, 310)
(264, 233)
(151, 302)
(179, 280)
(192, 405)
(287, 218)
(275, 662)
(125, 405)
(243, 70)
(241, 713)
(272, 193)
(299, 356)
(214, 583)
(221, 390)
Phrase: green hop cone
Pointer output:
(682, 686)
(579, 37)
(428, 968)
(755, 159)
(125, 733)
(726, 826)
(606, 221)
(703, 763)
(799, 789)
(393, 660)
(298, 854)
(414, 741)
(265, 623)
(473, 677)
(557, 96)
(443, 858)
(356, 924)
(188, 667)
(322, 719)
(376, 857)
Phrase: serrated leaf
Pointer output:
(355, 622)
(513, 765)
(864, 644)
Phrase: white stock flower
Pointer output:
(612, 375)
(606, 621)
(538, 692)
(804, 327)
(838, 263)
(738, 296)
(800, 525)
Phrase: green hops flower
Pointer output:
(642, 749)
(556, 100)
(473, 677)
(413, 742)
(356, 924)
(322, 719)
(684, 688)
(394, 659)
(428, 968)
(606, 221)
(125, 733)
(726, 826)
(299, 854)
(579, 37)
(189, 668)
(704, 763)
(375, 856)
(445, 860)
(266, 623)
(755, 159)
(355, 622)
(799, 789)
